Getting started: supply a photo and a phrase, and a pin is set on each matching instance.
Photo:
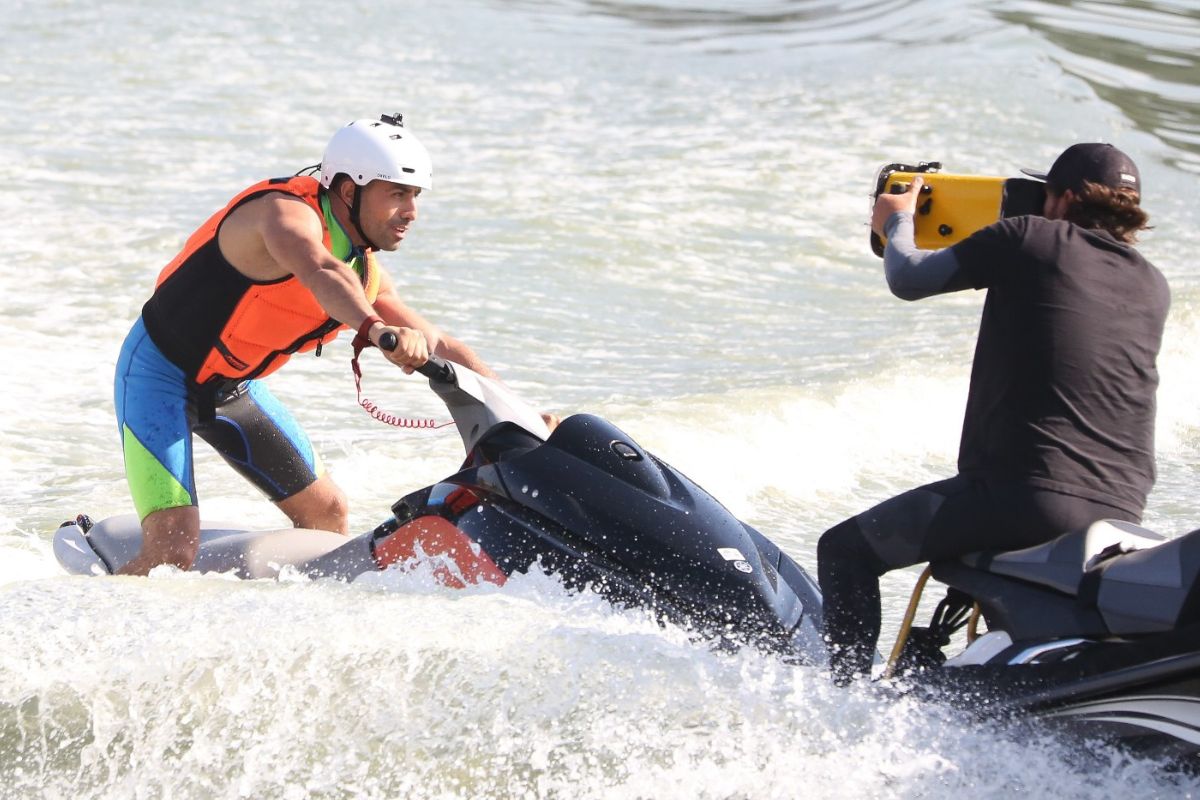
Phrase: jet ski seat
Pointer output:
(1060, 563)
(1123, 580)
(1147, 590)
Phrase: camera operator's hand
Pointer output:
(888, 204)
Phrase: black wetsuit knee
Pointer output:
(845, 543)
(848, 571)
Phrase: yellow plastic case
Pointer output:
(952, 207)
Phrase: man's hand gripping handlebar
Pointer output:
(435, 368)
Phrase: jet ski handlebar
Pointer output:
(436, 368)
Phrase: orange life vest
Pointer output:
(218, 325)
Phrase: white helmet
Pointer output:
(368, 150)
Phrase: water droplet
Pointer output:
(535, 492)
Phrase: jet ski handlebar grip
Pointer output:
(435, 368)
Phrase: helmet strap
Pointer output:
(354, 206)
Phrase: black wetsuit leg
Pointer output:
(941, 520)
(260, 438)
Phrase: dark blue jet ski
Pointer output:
(586, 503)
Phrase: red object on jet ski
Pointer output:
(436, 538)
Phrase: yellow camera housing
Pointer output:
(952, 207)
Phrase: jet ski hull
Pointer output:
(1153, 707)
(1145, 696)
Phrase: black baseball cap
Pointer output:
(1094, 162)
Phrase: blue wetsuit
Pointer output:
(158, 409)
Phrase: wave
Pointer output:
(1143, 58)
(191, 686)
(716, 26)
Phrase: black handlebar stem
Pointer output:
(436, 369)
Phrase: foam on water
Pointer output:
(397, 687)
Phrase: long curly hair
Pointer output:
(1114, 210)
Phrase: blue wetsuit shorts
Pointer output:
(158, 410)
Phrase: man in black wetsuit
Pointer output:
(1059, 424)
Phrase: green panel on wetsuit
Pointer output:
(152, 486)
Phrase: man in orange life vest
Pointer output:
(281, 269)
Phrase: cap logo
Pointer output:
(1125, 176)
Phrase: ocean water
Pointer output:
(654, 211)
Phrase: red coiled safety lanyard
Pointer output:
(361, 342)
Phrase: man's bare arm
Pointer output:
(294, 238)
(396, 312)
